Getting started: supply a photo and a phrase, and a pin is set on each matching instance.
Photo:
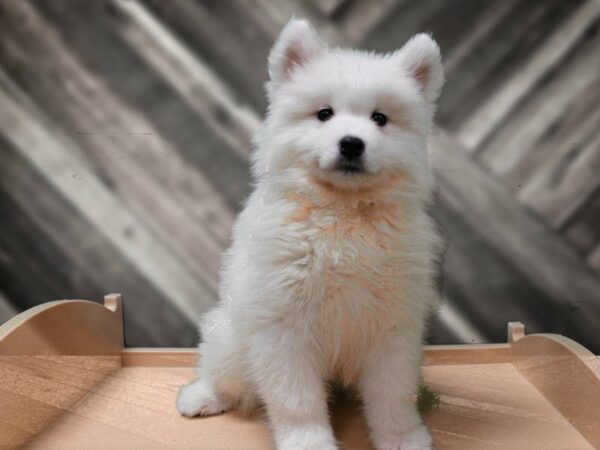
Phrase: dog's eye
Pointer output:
(325, 114)
(379, 118)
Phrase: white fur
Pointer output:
(330, 275)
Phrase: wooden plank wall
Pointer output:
(125, 131)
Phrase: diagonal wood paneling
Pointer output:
(134, 118)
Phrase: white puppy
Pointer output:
(330, 275)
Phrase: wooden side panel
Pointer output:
(567, 375)
(66, 327)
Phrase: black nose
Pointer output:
(351, 147)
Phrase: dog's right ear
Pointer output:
(296, 45)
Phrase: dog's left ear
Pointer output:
(421, 59)
(296, 45)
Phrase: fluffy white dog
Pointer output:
(330, 275)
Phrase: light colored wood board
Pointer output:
(37, 391)
(567, 374)
(534, 249)
(65, 327)
(514, 145)
(12, 437)
(493, 406)
(496, 108)
(434, 355)
(88, 434)
(439, 355)
(140, 357)
(497, 408)
(122, 146)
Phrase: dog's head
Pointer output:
(348, 117)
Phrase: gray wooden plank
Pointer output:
(144, 169)
(195, 82)
(51, 252)
(535, 250)
(483, 119)
(222, 35)
(27, 130)
(559, 191)
(594, 260)
(582, 230)
(7, 309)
(92, 35)
(359, 17)
(484, 286)
(513, 151)
(399, 24)
(55, 253)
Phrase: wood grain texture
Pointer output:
(146, 109)
(69, 391)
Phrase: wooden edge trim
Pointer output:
(434, 355)
(467, 354)
(159, 357)
(567, 375)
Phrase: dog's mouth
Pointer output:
(350, 167)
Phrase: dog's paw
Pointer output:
(416, 439)
(307, 439)
(196, 399)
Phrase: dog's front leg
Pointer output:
(389, 386)
(288, 380)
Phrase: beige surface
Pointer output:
(66, 383)
(70, 403)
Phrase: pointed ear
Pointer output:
(421, 59)
(296, 45)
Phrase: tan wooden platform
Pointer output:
(67, 383)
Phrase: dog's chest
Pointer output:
(350, 274)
